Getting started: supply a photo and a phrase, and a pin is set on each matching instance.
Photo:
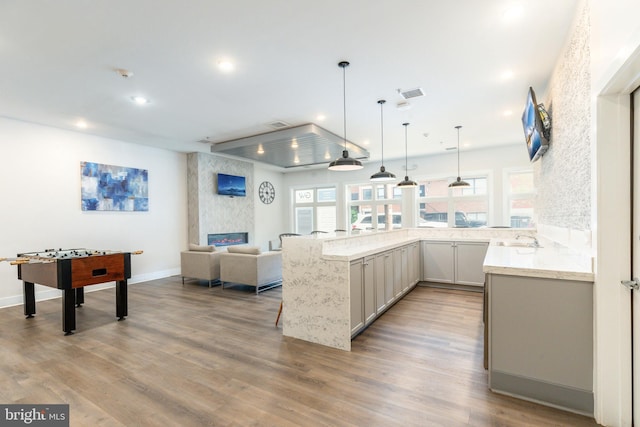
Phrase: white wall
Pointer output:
(40, 188)
(563, 174)
(269, 218)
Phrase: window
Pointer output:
(315, 209)
(441, 206)
(520, 194)
(375, 207)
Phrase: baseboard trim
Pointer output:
(458, 287)
(559, 396)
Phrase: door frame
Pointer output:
(612, 243)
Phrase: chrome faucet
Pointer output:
(535, 243)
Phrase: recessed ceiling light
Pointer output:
(140, 100)
(320, 117)
(513, 13)
(81, 124)
(225, 65)
(366, 142)
(507, 113)
(506, 75)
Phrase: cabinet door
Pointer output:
(389, 295)
(469, 260)
(438, 260)
(369, 290)
(398, 272)
(416, 266)
(414, 263)
(356, 296)
(381, 299)
(404, 264)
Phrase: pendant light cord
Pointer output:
(344, 101)
(406, 161)
(458, 127)
(381, 102)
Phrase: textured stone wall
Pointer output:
(563, 175)
(209, 212)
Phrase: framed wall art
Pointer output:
(114, 188)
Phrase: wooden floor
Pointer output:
(197, 356)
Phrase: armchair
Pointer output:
(247, 265)
(200, 262)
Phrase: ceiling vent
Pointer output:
(278, 124)
(411, 93)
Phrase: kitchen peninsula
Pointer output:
(335, 285)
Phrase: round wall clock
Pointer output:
(267, 192)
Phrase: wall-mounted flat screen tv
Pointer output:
(537, 127)
(231, 185)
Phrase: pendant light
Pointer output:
(382, 175)
(407, 183)
(459, 182)
(345, 163)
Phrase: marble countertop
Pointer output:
(348, 247)
(551, 260)
(352, 253)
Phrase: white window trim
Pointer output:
(451, 199)
(507, 197)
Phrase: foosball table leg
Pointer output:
(68, 311)
(29, 299)
(121, 299)
(79, 297)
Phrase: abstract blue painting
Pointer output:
(114, 188)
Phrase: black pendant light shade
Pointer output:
(459, 182)
(345, 163)
(382, 175)
(406, 183)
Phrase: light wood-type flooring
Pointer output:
(197, 356)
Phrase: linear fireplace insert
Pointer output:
(228, 239)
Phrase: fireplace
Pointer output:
(228, 239)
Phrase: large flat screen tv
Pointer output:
(231, 185)
(537, 127)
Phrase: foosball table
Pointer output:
(70, 270)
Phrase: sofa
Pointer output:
(248, 265)
(200, 262)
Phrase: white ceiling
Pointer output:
(59, 60)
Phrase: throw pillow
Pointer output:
(250, 250)
(201, 248)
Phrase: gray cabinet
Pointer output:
(456, 262)
(468, 263)
(438, 262)
(413, 264)
(356, 276)
(379, 280)
(540, 338)
(362, 293)
(399, 270)
(383, 281)
(369, 289)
